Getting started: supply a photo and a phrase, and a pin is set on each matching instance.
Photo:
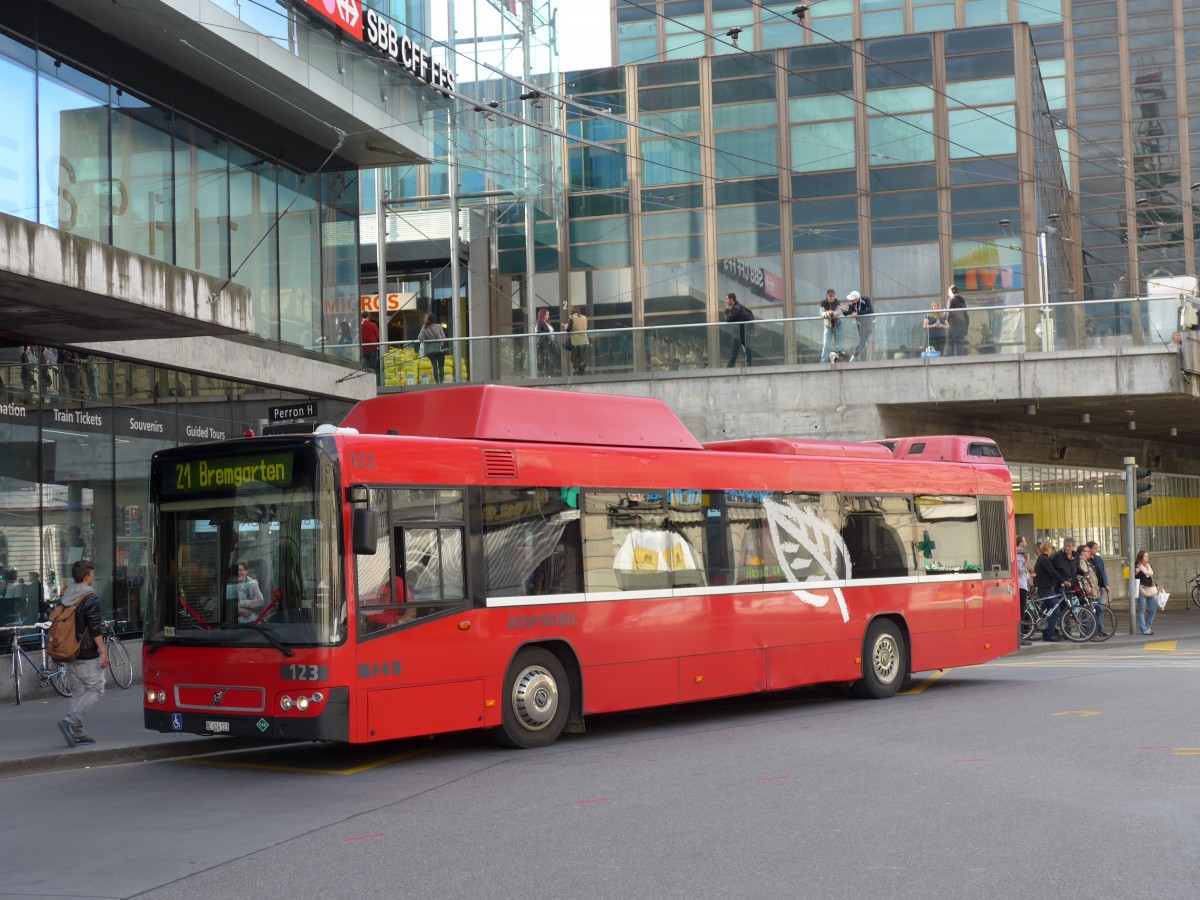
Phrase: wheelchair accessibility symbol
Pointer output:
(177, 721)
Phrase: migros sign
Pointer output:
(373, 29)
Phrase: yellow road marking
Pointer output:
(916, 689)
(1161, 645)
(1082, 713)
(353, 770)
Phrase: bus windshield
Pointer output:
(255, 565)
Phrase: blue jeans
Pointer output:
(1051, 629)
(831, 341)
(1146, 608)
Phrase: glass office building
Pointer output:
(1117, 76)
(893, 166)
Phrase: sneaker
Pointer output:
(82, 737)
(68, 732)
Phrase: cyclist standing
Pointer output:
(1066, 566)
(1049, 584)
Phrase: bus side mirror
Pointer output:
(366, 531)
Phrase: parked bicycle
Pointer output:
(49, 671)
(119, 663)
(1077, 622)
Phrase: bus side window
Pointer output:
(949, 534)
(531, 542)
(374, 588)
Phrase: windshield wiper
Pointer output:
(279, 645)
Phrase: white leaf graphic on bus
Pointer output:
(807, 546)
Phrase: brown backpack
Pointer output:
(62, 637)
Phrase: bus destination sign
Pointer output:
(206, 475)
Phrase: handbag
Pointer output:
(1161, 597)
(422, 349)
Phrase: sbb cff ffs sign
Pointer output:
(371, 28)
(415, 60)
(345, 14)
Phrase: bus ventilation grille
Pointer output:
(500, 463)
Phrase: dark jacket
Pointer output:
(738, 313)
(862, 307)
(960, 319)
(1099, 571)
(1046, 576)
(1066, 566)
(89, 622)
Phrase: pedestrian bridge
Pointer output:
(1122, 368)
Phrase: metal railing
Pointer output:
(1104, 326)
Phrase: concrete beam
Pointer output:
(271, 366)
(56, 288)
(852, 402)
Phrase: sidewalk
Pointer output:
(30, 742)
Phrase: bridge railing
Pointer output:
(1102, 326)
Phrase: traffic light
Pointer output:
(1142, 482)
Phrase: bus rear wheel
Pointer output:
(884, 663)
(537, 700)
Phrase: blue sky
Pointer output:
(583, 34)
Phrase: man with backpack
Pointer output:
(91, 658)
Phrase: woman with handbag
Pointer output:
(433, 347)
(1147, 600)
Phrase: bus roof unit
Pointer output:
(531, 415)
(800, 447)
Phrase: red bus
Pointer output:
(515, 559)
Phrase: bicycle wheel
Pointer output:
(119, 663)
(16, 674)
(1195, 595)
(1028, 623)
(1106, 622)
(1078, 624)
(60, 678)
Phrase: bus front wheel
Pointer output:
(884, 661)
(537, 700)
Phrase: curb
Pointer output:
(115, 756)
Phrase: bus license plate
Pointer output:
(217, 727)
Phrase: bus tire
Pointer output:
(884, 661)
(537, 700)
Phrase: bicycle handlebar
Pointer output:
(36, 625)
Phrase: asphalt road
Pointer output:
(1057, 775)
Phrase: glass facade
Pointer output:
(94, 158)
(1126, 140)
(77, 434)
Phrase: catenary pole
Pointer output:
(1130, 536)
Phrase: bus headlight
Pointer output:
(302, 703)
(151, 695)
(285, 703)
(162, 696)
